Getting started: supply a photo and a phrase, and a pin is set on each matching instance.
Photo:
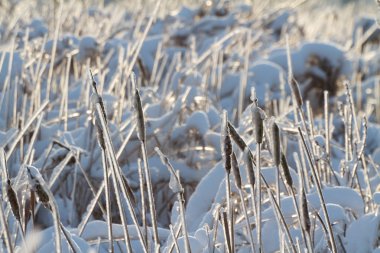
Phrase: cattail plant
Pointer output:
(12, 198)
(249, 162)
(289, 185)
(276, 150)
(142, 138)
(117, 178)
(258, 119)
(226, 154)
(39, 187)
(11, 194)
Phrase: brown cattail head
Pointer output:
(140, 116)
(249, 160)
(258, 118)
(37, 187)
(103, 109)
(13, 200)
(297, 93)
(276, 144)
(285, 168)
(305, 218)
(236, 171)
(236, 137)
(226, 143)
(42, 195)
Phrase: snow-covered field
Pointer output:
(205, 126)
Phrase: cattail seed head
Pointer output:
(236, 137)
(140, 116)
(305, 211)
(296, 92)
(103, 109)
(276, 144)
(250, 171)
(13, 200)
(34, 179)
(226, 143)
(285, 168)
(42, 195)
(258, 117)
(236, 171)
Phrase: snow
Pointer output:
(362, 234)
(16, 67)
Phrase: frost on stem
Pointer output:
(97, 99)
(174, 183)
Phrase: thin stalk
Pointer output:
(320, 195)
(152, 207)
(108, 201)
(7, 236)
(279, 215)
(249, 232)
(258, 197)
(121, 212)
(142, 194)
(24, 129)
(226, 231)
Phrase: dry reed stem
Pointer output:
(142, 194)
(320, 195)
(236, 173)
(257, 118)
